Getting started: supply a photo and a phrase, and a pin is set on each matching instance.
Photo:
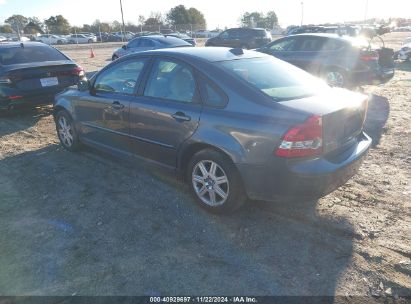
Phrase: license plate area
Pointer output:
(49, 81)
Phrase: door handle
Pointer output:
(180, 116)
(117, 105)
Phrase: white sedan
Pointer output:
(51, 39)
(80, 38)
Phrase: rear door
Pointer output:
(166, 112)
(282, 48)
(309, 53)
(104, 113)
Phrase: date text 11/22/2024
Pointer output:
(203, 300)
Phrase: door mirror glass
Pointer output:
(83, 85)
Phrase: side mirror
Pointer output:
(83, 85)
(124, 47)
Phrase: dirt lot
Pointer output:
(87, 224)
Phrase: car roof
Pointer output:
(329, 36)
(12, 44)
(165, 39)
(210, 54)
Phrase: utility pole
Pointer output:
(122, 19)
(366, 11)
(302, 12)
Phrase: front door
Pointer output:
(166, 113)
(104, 113)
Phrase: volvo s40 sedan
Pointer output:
(233, 123)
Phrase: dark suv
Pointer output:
(342, 61)
(246, 38)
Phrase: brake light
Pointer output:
(370, 57)
(303, 140)
(79, 71)
(14, 97)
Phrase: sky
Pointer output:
(217, 13)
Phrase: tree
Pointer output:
(182, 17)
(6, 28)
(116, 26)
(34, 26)
(256, 19)
(58, 25)
(17, 22)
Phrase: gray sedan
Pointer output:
(147, 43)
(233, 123)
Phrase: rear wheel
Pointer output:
(59, 42)
(90, 41)
(66, 131)
(215, 182)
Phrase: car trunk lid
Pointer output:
(342, 113)
(43, 75)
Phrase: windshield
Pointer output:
(275, 78)
(19, 55)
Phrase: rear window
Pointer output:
(19, 55)
(276, 78)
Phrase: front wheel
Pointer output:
(66, 131)
(214, 182)
(335, 78)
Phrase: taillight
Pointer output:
(370, 57)
(79, 71)
(303, 140)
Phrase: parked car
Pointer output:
(246, 38)
(108, 37)
(33, 72)
(184, 37)
(51, 39)
(80, 38)
(341, 60)
(2, 38)
(233, 123)
(405, 52)
(146, 43)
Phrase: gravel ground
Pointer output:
(88, 224)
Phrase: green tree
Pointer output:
(256, 19)
(6, 28)
(34, 26)
(17, 22)
(182, 17)
(58, 25)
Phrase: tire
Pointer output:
(115, 57)
(59, 42)
(215, 182)
(66, 131)
(335, 77)
(90, 41)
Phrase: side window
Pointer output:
(146, 43)
(310, 44)
(121, 78)
(284, 45)
(134, 43)
(171, 80)
(333, 45)
(224, 34)
(212, 95)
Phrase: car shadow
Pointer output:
(22, 118)
(403, 66)
(88, 224)
(377, 116)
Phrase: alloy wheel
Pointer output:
(65, 131)
(335, 79)
(210, 183)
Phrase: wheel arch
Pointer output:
(63, 104)
(189, 149)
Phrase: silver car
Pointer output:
(146, 43)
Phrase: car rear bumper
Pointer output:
(33, 99)
(312, 178)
